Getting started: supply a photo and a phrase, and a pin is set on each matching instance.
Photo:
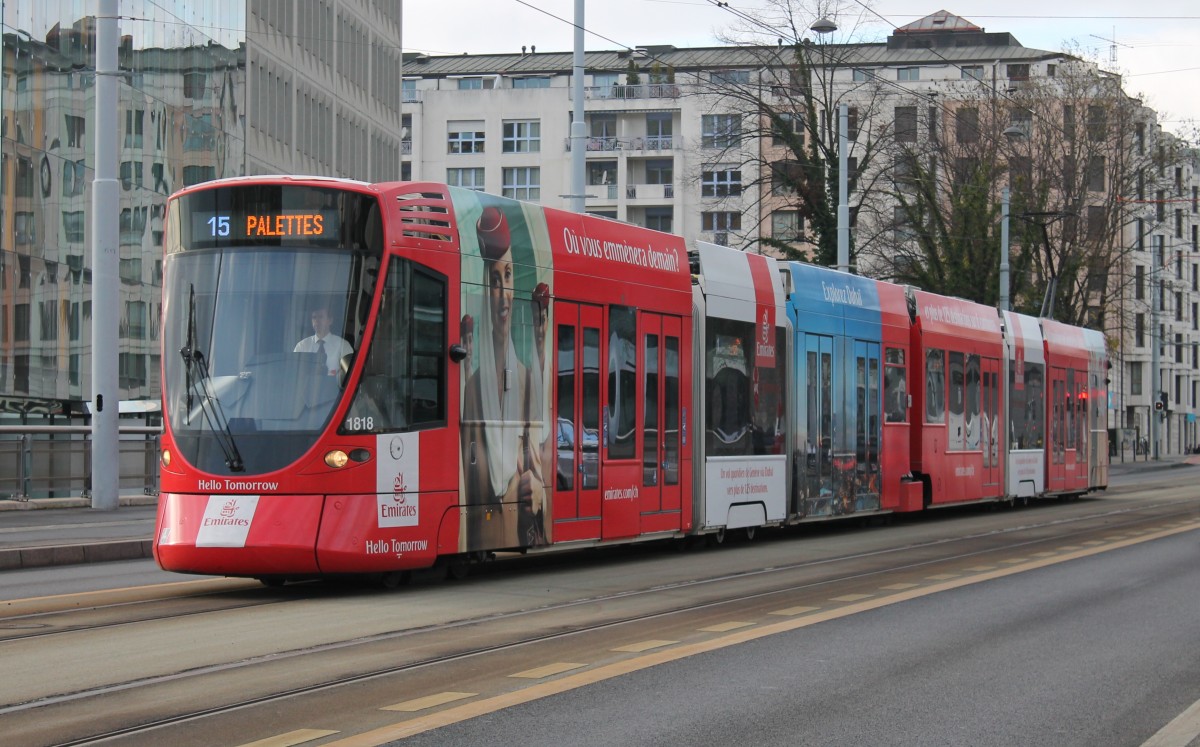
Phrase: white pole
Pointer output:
(105, 265)
(843, 209)
(1004, 304)
(578, 123)
(1155, 373)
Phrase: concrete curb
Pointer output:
(36, 504)
(92, 552)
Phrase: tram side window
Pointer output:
(895, 388)
(956, 440)
(736, 422)
(971, 425)
(621, 420)
(935, 386)
(1029, 421)
(403, 385)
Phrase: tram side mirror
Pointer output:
(458, 353)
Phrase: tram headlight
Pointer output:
(166, 457)
(337, 459)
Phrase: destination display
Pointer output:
(235, 226)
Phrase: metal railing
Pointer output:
(56, 461)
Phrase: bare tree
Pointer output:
(781, 107)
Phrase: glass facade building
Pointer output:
(208, 89)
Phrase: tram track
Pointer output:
(1115, 520)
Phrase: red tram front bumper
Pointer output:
(299, 535)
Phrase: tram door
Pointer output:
(577, 427)
(863, 481)
(660, 418)
(991, 429)
(816, 483)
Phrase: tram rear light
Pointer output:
(337, 459)
(166, 457)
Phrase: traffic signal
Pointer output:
(1160, 404)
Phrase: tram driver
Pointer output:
(324, 341)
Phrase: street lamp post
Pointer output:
(1013, 133)
(825, 26)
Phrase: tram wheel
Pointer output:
(271, 582)
(717, 537)
(458, 567)
(750, 532)
(394, 579)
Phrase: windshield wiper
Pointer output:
(214, 414)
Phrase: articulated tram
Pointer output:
(373, 378)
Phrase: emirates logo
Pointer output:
(229, 509)
(399, 486)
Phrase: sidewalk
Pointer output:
(66, 531)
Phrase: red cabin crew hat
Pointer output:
(541, 295)
(494, 238)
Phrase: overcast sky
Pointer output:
(1156, 51)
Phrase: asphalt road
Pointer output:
(1100, 651)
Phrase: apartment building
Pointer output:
(677, 141)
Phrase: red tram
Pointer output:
(371, 378)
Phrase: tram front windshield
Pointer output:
(268, 289)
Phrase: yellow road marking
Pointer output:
(637, 648)
(550, 669)
(943, 576)
(852, 597)
(981, 568)
(591, 676)
(726, 626)
(217, 583)
(1014, 561)
(429, 701)
(1093, 543)
(1068, 548)
(789, 611)
(1182, 730)
(1044, 554)
(300, 736)
(899, 587)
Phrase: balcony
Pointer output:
(621, 92)
(638, 145)
(650, 192)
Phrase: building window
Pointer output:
(522, 136)
(522, 183)
(74, 224)
(1139, 283)
(908, 73)
(860, 76)
(465, 178)
(533, 81)
(131, 175)
(1135, 377)
(1097, 124)
(966, 125)
(720, 130)
(660, 171)
(134, 120)
(660, 218)
(730, 77)
(787, 225)
(465, 137)
(721, 183)
(476, 84)
(1139, 330)
(906, 124)
(971, 72)
(194, 85)
(787, 127)
(76, 128)
(720, 221)
(1018, 71)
